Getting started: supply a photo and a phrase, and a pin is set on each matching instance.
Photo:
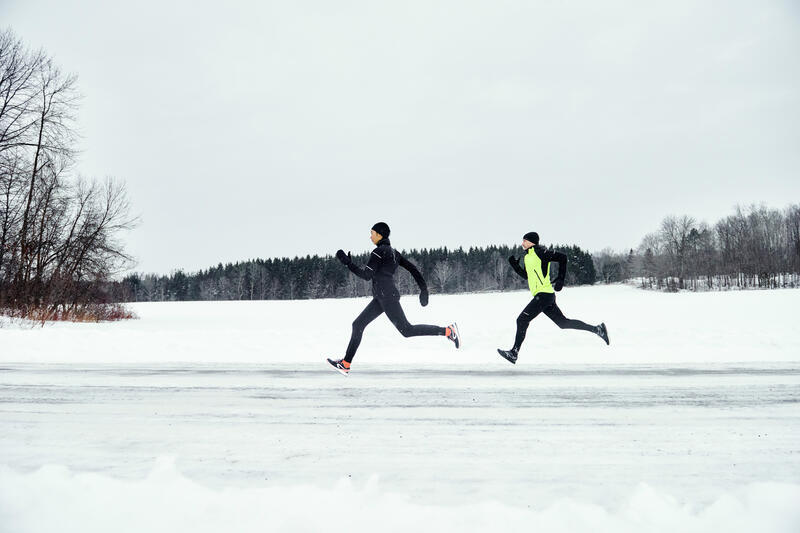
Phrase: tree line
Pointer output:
(59, 242)
(755, 247)
(445, 271)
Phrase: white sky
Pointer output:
(265, 129)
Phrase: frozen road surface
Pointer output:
(578, 447)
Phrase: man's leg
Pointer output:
(395, 313)
(524, 319)
(370, 313)
(563, 322)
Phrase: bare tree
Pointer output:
(674, 235)
(499, 270)
(442, 272)
(58, 234)
(609, 265)
(315, 288)
(18, 91)
(793, 237)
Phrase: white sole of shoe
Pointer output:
(339, 370)
(458, 336)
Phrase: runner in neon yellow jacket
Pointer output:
(537, 261)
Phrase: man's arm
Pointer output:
(412, 268)
(514, 262)
(561, 259)
(364, 273)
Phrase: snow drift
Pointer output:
(55, 499)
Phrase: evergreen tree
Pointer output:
(447, 271)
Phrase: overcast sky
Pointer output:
(266, 129)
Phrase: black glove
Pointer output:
(558, 284)
(423, 297)
(513, 260)
(344, 258)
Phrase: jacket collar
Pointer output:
(538, 249)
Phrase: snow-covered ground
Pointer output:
(645, 328)
(222, 416)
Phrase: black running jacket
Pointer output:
(382, 264)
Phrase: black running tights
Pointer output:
(546, 303)
(395, 313)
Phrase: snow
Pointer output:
(222, 416)
(54, 499)
(645, 327)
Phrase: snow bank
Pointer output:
(54, 499)
(645, 327)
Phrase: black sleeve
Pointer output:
(561, 259)
(519, 270)
(368, 271)
(412, 268)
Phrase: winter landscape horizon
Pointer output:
(198, 200)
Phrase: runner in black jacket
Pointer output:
(382, 264)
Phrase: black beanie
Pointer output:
(382, 228)
(531, 236)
